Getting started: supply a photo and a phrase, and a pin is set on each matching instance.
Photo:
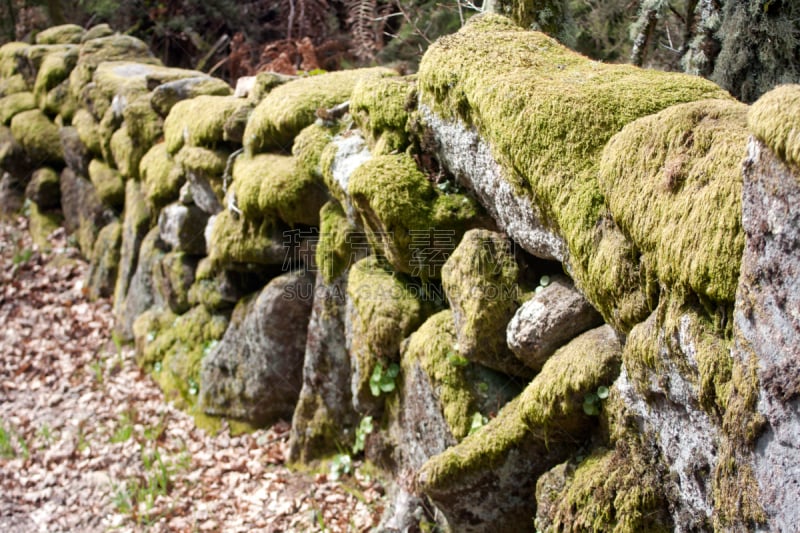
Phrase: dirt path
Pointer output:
(88, 444)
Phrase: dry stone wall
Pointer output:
(538, 290)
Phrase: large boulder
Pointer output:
(255, 373)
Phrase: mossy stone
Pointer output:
(126, 153)
(199, 121)
(10, 54)
(87, 126)
(38, 136)
(234, 242)
(290, 107)
(338, 241)
(108, 183)
(41, 224)
(380, 106)
(44, 189)
(55, 69)
(13, 84)
(167, 94)
(63, 34)
(14, 104)
(773, 120)
(161, 176)
(104, 262)
(308, 147)
(269, 185)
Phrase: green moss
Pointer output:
(387, 310)
(480, 280)
(179, 345)
(612, 490)
(54, 70)
(166, 95)
(38, 136)
(161, 176)
(380, 107)
(433, 346)
(97, 31)
(9, 58)
(402, 212)
(41, 224)
(268, 185)
(236, 240)
(207, 163)
(308, 147)
(554, 399)
(547, 113)
(145, 126)
(104, 263)
(773, 120)
(108, 183)
(290, 107)
(15, 103)
(683, 164)
(199, 121)
(13, 84)
(126, 153)
(173, 276)
(63, 34)
(87, 126)
(334, 253)
(548, 16)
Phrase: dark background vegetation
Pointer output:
(744, 45)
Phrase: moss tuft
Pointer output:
(290, 107)
(236, 241)
(269, 185)
(335, 252)
(55, 69)
(773, 120)
(62, 34)
(308, 147)
(87, 126)
(380, 107)
(10, 53)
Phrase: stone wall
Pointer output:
(534, 288)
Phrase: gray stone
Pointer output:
(141, 294)
(255, 373)
(767, 322)
(83, 211)
(202, 193)
(44, 188)
(11, 195)
(173, 276)
(182, 228)
(76, 155)
(324, 420)
(469, 158)
(170, 93)
(13, 158)
(104, 262)
(555, 314)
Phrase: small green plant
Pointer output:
(46, 435)
(97, 369)
(193, 388)
(456, 359)
(22, 256)
(6, 448)
(341, 464)
(125, 429)
(478, 421)
(383, 380)
(591, 402)
(544, 281)
(364, 428)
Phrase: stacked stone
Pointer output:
(520, 265)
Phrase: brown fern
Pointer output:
(363, 24)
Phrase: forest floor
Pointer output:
(88, 443)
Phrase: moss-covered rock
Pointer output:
(684, 164)
(84, 214)
(87, 127)
(144, 125)
(380, 106)
(97, 31)
(135, 225)
(255, 372)
(13, 158)
(269, 185)
(38, 136)
(173, 275)
(10, 54)
(41, 224)
(383, 309)
(170, 93)
(610, 490)
(126, 153)
(547, 113)
(408, 222)
(108, 183)
(308, 147)
(44, 189)
(13, 84)
(290, 107)
(174, 348)
(490, 476)
(15, 103)
(338, 244)
(480, 279)
(55, 69)
(234, 242)
(199, 121)
(76, 154)
(63, 34)
(161, 176)
(104, 262)
(773, 120)
(139, 294)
